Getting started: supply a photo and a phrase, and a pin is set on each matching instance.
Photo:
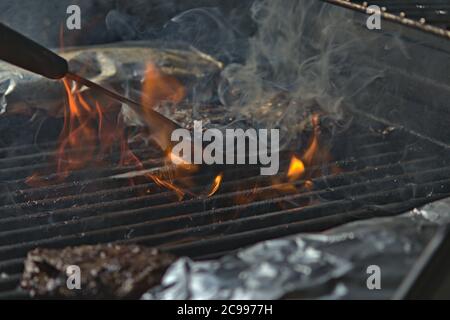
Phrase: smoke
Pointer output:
(285, 59)
(303, 49)
(215, 30)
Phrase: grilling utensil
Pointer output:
(29, 55)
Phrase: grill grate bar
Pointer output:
(208, 243)
(164, 202)
(11, 266)
(13, 294)
(225, 242)
(28, 198)
(311, 212)
(18, 162)
(11, 158)
(9, 283)
(19, 207)
(238, 217)
(17, 174)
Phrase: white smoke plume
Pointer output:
(303, 48)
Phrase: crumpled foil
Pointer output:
(328, 265)
(121, 66)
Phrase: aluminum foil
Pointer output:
(121, 66)
(328, 265)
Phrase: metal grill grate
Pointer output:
(433, 12)
(383, 173)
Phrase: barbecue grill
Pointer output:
(391, 159)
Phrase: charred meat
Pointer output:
(107, 271)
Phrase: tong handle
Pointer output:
(23, 52)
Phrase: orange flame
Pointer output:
(158, 87)
(167, 184)
(296, 169)
(314, 155)
(78, 132)
(88, 134)
(216, 184)
(311, 151)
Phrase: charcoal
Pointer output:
(107, 271)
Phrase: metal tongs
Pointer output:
(25, 53)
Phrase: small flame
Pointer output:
(216, 184)
(296, 169)
(314, 155)
(297, 166)
(168, 185)
(78, 132)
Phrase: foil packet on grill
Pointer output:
(329, 265)
(121, 66)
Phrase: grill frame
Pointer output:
(398, 11)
